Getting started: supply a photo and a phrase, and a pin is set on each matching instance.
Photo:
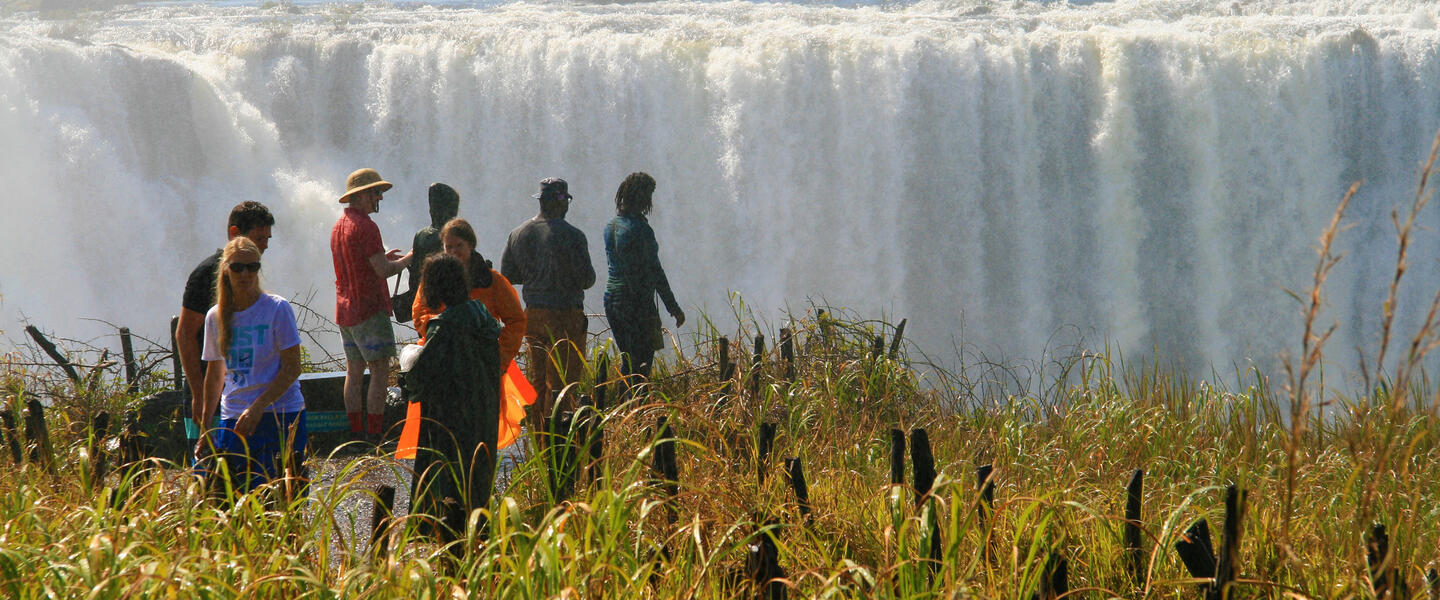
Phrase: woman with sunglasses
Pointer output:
(252, 347)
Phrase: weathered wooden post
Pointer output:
(1230, 544)
(130, 442)
(756, 359)
(727, 370)
(897, 457)
(664, 461)
(762, 567)
(99, 462)
(583, 432)
(54, 353)
(175, 366)
(591, 426)
(12, 434)
(601, 386)
(595, 422)
(795, 472)
(922, 464)
(127, 350)
(1384, 576)
(986, 485)
(787, 352)
(38, 434)
(762, 450)
(92, 380)
(1055, 579)
(562, 453)
(1134, 552)
(1196, 551)
(381, 514)
(895, 343)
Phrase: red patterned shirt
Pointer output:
(359, 291)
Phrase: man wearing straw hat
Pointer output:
(362, 303)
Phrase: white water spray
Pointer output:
(1149, 176)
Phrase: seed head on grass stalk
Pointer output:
(1398, 445)
(1403, 232)
(1312, 346)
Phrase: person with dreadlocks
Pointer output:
(635, 278)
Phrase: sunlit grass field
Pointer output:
(1061, 460)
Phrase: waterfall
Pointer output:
(1004, 175)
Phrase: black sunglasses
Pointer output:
(243, 267)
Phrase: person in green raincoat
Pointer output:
(457, 381)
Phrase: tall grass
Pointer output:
(1320, 467)
(1061, 463)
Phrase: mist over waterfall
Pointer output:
(1007, 176)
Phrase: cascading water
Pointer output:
(1153, 175)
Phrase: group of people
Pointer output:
(240, 347)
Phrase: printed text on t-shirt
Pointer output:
(243, 342)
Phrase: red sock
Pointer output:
(357, 424)
(375, 423)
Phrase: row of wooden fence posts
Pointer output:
(762, 569)
(1195, 549)
(37, 439)
(787, 356)
(1054, 579)
(37, 436)
(762, 562)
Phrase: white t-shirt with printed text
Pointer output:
(257, 335)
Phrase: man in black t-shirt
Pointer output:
(250, 219)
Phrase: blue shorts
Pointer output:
(264, 454)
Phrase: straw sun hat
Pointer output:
(361, 180)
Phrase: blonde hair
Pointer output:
(224, 293)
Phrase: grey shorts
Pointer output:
(371, 340)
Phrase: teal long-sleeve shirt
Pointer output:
(634, 258)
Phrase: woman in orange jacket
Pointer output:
(486, 285)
